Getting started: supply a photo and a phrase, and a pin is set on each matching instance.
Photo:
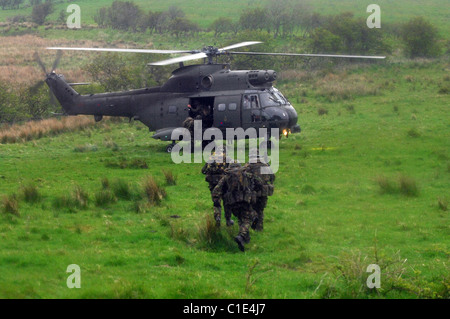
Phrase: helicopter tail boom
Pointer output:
(63, 92)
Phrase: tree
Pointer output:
(174, 12)
(420, 38)
(323, 41)
(121, 15)
(286, 15)
(347, 34)
(113, 72)
(221, 25)
(124, 15)
(40, 12)
(10, 4)
(101, 17)
(255, 19)
(182, 26)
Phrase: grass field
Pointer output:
(365, 182)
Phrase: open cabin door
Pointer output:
(251, 111)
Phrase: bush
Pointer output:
(408, 186)
(40, 12)
(345, 33)
(386, 186)
(420, 38)
(31, 194)
(322, 111)
(10, 205)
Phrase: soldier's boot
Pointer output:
(240, 241)
(217, 215)
(258, 226)
(255, 223)
(230, 222)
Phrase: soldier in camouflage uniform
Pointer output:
(188, 124)
(214, 170)
(256, 167)
(237, 189)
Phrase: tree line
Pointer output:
(288, 19)
(342, 33)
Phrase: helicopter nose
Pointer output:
(292, 115)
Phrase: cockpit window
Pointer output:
(280, 96)
(271, 99)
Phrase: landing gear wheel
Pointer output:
(169, 148)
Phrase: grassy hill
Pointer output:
(205, 12)
(365, 182)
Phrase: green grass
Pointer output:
(326, 222)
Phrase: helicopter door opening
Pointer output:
(202, 108)
(251, 111)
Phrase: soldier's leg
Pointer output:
(246, 218)
(217, 208)
(258, 224)
(227, 211)
(217, 215)
(239, 239)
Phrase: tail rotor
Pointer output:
(41, 64)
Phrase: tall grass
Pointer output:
(10, 205)
(153, 191)
(337, 87)
(170, 178)
(17, 133)
(104, 197)
(77, 199)
(122, 189)
(404, 185)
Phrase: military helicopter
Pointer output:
(224, 98)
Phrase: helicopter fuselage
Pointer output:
(234, 99)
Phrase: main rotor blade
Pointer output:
(58, 58)
(312, 55)
(122, 50)
(239, 45)
(180, 59)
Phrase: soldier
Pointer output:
(214, 170)
(236, 189)
(255, 166)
